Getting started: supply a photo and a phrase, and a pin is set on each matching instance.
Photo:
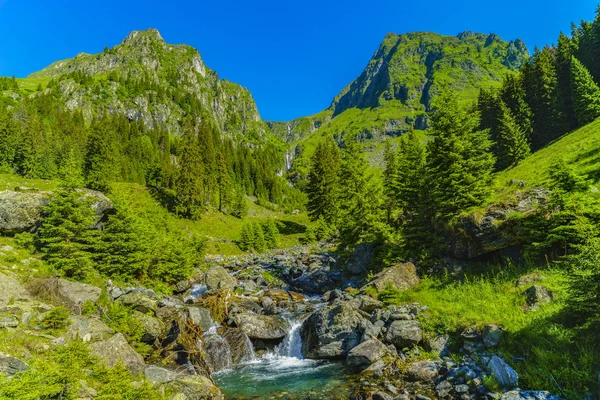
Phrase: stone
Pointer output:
(399, 276)
(116, 348)
(11, 289)
(404, 333)
(88, 329)
(11, 365)
(138, 301)
(504, 374)
(529, 395)
(360, 260)
(153, 327)
(277, 295)
(491, 336)
(218, 278)
(9, 322)
(529, 279)
(248, 286)
(201, 316)
(366, 354)
(316, 282)
(331, 332)
(196, 387)
(217, 353)
(366, 303)
(262, 326)
(73, 295)
(443, 389)
(439, 344)
(422, 371)
(159, 375)
(537, 295)
(382, 396)
(239, 344)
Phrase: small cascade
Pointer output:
(198, 289)
(217, 353)
(249, 354)
(292, 343)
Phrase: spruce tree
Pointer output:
(189, 184)
(323, 186)
(390, 182)
(247, 237)
(271, 233)
(9, 137)
(513, 145)
(512, 93)
(259, 238)
(564, 53)
(240, 204)
(101, 158)
(459, 167)
(586, 94)
(224, 183)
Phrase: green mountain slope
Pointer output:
(148, 80)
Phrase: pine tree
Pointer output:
(459, 167)
(564, 53)
(224, 183)
(206, 133)
(512, 93)
(9, 137)
(240, 204)
(512, 142)
(247, 237)
(586, 94)
(259, 238)
(189, 184)
(322, 188)
(390, 182)
(100, 166)
(271, 233)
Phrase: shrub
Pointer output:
(57, 318)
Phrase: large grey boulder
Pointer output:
(11, 365)
(239, 344)
(72, 295)
(217, 353)
(262, 326)
(22, 211)
(366, 353)
(331, 332)
(196, 387)
(153, 328)
(117, 349)
(360, 260)
(139, 301)
(11, 289)
(88, 329)
(422, 371)
(200, 316)
(399, 276)
(536, 295)
(403, 333)
(159, 375)
(504, 374)
(529, 395)
(218, 278)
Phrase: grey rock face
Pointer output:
(116, 348)
(366, 353)
(239, 344)
(262, 326)
(196, 387)
(88, 329)
(217, 353)
(331, 332)
(74, 294)
(138, 301)
(491, 336)
(11, 289)
(439, 344)
(153, 327)
(218, 278)
(404, 333)
(504, 374)
(399, 276)
(201, 316)
(11, 365)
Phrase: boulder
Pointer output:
(504, 374)
(201, 316)
(153, 327)
(331, 332)
(278, 295)
(11, 289)
(88, 329)
(217, 353)
(399, 276)
(360, 260)
(196, 387)
(316, 282)
(529, 395)
(262, 326)
(117, 349)
(529, 279)
(439, 344)
(159, 375)
(366, 354)
(218, 278)
(73, 294)
(138, 301)
(366, 303)
(491, 336)
(239, 344)
(11, 365)
(404, 333)
(537, 295)
(422, 371)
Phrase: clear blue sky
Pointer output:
(294, 56)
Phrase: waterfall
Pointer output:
(249, 355)
(292, 343)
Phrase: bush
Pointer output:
(57, 318)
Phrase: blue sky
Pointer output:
(294, 56)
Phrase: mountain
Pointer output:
(396, 88)
(148, 80)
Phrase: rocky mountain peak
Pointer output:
(143, 38)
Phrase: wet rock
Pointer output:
(331, 331)
(317, 282)
(159, 375)
(366, 354)
(278, 295)
(139, 301)
(491, 336)
(360, 260)
(217, 353)
(196, 387)
(366, 303)
(504, 374)
(200, 316)
(262, 326)
(117, 349)
(11, 365)
(152, 327)
(529, 279)
(239, 344)
(529, 395)
(399, 276)
(404, 333)
(422, 371)
(218, 278)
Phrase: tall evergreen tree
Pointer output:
(512, 93)
(564, 52)
(189, 184)
(101, 159)
(224, 183)
(586, 94)
(323, 186)
(513, 145)
(459, 168)
(390, 181)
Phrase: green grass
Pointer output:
(556, 358)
